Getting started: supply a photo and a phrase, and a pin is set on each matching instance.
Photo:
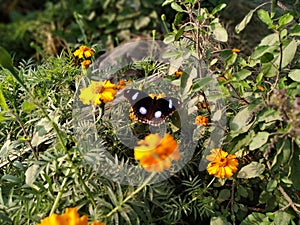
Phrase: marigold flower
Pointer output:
(201, 120)
(84, 52)
(98, 92)
(178, 73)
(70, 217)
(155, 153)
(235, 50)
(222, 164)
(86, 63)
(121, 84)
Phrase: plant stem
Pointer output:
(118, 207)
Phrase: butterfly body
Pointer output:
(153, 111)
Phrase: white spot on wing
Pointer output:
(170, 104)
(142, 110)
(157, 114)
(134, 97)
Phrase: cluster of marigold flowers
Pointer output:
(84, 54)
(155, 153)
(70, 217)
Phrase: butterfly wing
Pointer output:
(149, 110)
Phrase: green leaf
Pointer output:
(282, 218)
(285, 19)
(6, 60)
(288, 53)
(176, 7)
(3, 103)
(220, 220)
(28, 106)
(295, 31)
(254, 219)
(295, 75)
(218, 8)
(295, 167)
(167, 2)
(241, 26)
(31, 174)
(200, 84)
(141, 22)
(265, 17)
(272, 184)
(259, 140)
(267, 57)
(224, 195)
(241, 119)
(242, 74)
(219, 32)
(254, 169)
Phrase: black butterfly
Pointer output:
(153, 111)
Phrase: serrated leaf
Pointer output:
(241, 26)
(259, 140)
(295, 75)
(254, 169)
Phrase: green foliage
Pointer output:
(42, 170)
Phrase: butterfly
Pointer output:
(153, 111)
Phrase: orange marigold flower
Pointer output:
(70, 217)
(98, 92)
(84, 52)
(222, 164)
(121, 84)
(235, 50)
(201, 120)
(155, 153)
(178, 73)
(86, 63)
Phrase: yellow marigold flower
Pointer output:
(155, 153)
(201, 120)
(84, 52)
(132, 117)
(70, 217)
(235, 50)
(86, 63)
(222, 164)
(98, 92)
